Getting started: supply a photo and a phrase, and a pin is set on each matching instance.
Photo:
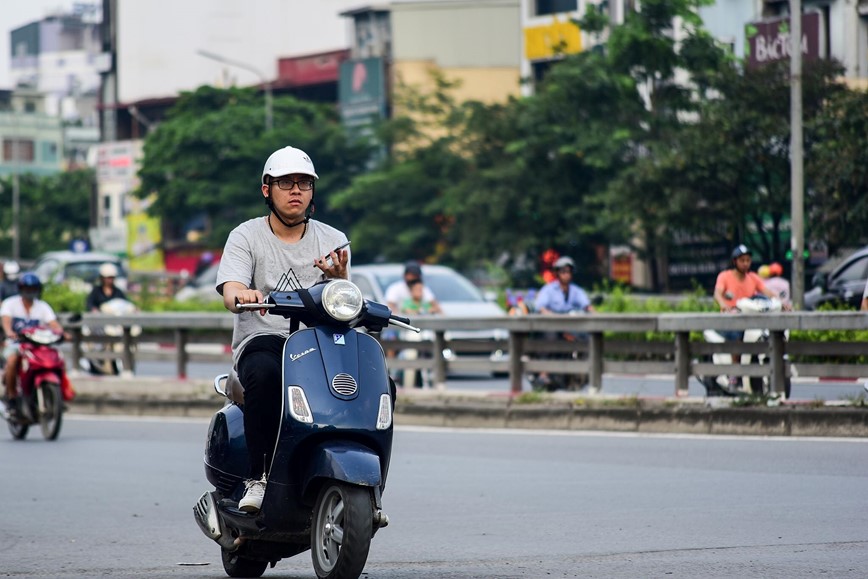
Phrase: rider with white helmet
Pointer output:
(9, 285)
(105, 290)
(562, 296)
(285, 249)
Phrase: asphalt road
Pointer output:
(113, 498)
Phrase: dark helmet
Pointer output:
(739, 251)
(29, 285)
(563, 262)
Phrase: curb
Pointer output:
(190, 398)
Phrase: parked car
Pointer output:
(64, 266)
(456, 294)
(842, 285)
(201, 287)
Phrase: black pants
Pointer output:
(260, 373)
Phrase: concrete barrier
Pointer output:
(560, 411)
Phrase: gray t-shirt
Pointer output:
(255, 257)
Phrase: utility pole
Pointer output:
(797, 186)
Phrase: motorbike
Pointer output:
(735, 386)
(42, 384)
(328, 473)
(106, 358)
(575, 349)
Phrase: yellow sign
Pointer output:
(143, 242)
(555, 39)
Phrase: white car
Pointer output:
(455, 293)
(65, 266)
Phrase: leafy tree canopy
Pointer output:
(54, 210)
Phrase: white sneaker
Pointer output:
(252, 500)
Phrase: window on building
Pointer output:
(18, 150)
(544, 7)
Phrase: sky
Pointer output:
(15, 13)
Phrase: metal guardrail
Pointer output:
(680, 356)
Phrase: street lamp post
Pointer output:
(797, 199)
(269, 120)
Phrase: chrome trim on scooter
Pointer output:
(344, 384)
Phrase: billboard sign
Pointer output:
(769, 40)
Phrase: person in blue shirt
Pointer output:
(562, 296)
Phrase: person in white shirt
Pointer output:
(24, 310)
(399, 292)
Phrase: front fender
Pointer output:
(345, 461)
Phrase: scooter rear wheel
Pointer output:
(51, 414)
(340, 536)
(236, 566)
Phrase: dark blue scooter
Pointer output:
(332, 454)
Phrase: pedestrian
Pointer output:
(284, 249)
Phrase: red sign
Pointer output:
(312, 69)
(769, 41)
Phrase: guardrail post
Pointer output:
(777, 354)
(439, 360)
(181, 352)
(76, 346)
(516, 364)
(682, 362)
(595, 360)
(129, 361)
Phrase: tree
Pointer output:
(55, 209)
(837, 170)
(207, 157)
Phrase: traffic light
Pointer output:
(789, 254)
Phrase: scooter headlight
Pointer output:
(342, 300)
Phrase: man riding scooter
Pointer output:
(561, 296)
(19, 312)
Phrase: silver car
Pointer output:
(455, 293)
(69, 266)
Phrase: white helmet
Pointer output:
(563, 262)
(11, 269)
(108, 270)
(287, 161)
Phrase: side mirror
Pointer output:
(821, 280)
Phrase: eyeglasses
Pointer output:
(287, 184)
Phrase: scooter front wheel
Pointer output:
(51, 412)
(340, 536)
(17, 428)
(237, 566)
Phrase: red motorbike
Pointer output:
(42, 384)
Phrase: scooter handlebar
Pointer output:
(245, 307)
(403, 323)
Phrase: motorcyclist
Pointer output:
(106, 290)
(17, 313)
(286, 250)
(562, 296)
(739, 282)
(9, 285)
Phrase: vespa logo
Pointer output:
(339, 340)
(294, 357)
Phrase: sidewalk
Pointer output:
(152, 396)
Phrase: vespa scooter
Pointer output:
(42, 384)
(331, 458)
